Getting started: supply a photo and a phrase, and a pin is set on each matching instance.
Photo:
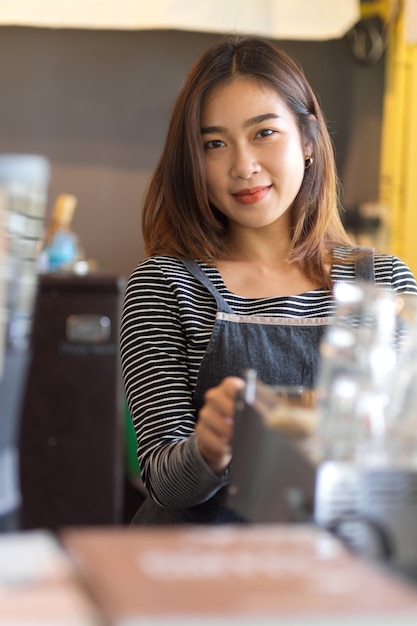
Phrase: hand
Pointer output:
(214, 427)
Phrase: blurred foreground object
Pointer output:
(366, 396)
(366, 488)
(39, 585)
(259, 575)
(272, 477)
(343, 455)
(24, 181)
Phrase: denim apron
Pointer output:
(282, 351)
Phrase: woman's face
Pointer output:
(254, 153)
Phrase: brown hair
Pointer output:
(177, 217)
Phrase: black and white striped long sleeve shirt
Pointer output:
(167, 320)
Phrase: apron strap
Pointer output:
(364, 265)
(198, 273)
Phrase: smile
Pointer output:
(251, 196)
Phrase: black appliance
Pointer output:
(71, 457)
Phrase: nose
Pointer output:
(244, 163)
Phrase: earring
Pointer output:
(308, 162)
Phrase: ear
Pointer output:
(308, 149)
(307, 143)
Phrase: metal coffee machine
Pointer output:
(347, 460)
(24, 183)
(366, 489)
(278, 476)
(372, 509)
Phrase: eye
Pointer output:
(265, 132)
(213, 144)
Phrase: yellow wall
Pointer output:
(398, 175)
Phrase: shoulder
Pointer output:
(167, 277)
(158, 270)
(392, 272)
(159, 266)
(170, 269)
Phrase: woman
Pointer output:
(244, 242)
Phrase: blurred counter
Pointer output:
(39, 585)
(263, 574)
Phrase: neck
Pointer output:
(259, 249)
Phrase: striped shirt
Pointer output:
(167, 321)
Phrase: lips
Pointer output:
(252, 195)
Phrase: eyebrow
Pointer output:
(257, 119)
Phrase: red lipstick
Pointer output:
(252, 195)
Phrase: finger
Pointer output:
(212, 439)
(215, 420)
(213, 448)
(223, 397)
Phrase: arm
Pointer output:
(156, 373)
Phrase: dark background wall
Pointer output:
(97, 104)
